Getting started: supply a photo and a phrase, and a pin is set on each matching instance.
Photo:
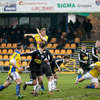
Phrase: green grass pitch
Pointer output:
(68, 91)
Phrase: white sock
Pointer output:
(29, 83)
(55, 83)
(50, 85)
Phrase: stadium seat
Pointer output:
(49, 45)
(14, 45)
(1, 57)
(4, 51)
(24, 63)
(67, 45)
(59, 57)
(23, 57)
(6, 63)
(77, 40)
(1, 63)
(3, 45)
(31, 45)
(54, 45)
(52, 51)
(9, 45)
(0, 50)
(63, 51)
(5, 57)
(22, 51)
(73, 45)
(31, 40)
(29, 57)
(27, 50)
(57, 51)
(69, 52)
(10, 51)
(53, 40)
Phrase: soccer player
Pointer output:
(15, 69)
(56, 65)
(96, 51)
(84, 59)
(35, 69)
(92, 75)
(40, 37)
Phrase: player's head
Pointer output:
(97, 44)
(66, 58)
(42, 46)
(43, 31)
(19, 46)
(83, 46)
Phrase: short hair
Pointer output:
(67, 56)
(19, 46)
(43, 29)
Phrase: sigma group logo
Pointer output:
(97, 2)
(10, 7)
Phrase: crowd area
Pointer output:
(83, 29)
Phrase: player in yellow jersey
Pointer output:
(92, 75)
(15, 69)
(40, 37)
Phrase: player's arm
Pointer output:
(28, 53)
(93, 53)
(32, 35)
(43, 38)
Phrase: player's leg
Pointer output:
(18, 80)
(6, 84)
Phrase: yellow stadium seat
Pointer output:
(0, 50)
(27, 50)
(54, 45)
(5, 57)
(24, 63)
(31, 40)
(73, 45)
(59, 57)
(53, 40)
(6, 63)
(9, 45)
(1, 63)
(29, 57)
(10, 51)
(69, 52)
(77, 40)
(67, 45)
(14, 45)
(23, 57)
(51, 51)
(22, 51)
(1, 57)
(4, 51)
(63, 51)
(49, 45)
(57, 51)
(3, 45)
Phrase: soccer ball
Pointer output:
(80, 71)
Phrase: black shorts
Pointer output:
(53, 69)
(46, 69)
(35, 74)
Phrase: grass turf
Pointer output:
(68, 91)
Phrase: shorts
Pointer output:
(13, 76)
(53, 69)
(35, 74)
(89, 76)
(46, 69)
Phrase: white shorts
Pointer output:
(89, 76)
(15, 75)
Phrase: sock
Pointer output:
(1, 87)
(55, 82)
(90, 86)
(42, 87)
(29, 83)
(50, 86)
(78, 77)
(18, 89)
